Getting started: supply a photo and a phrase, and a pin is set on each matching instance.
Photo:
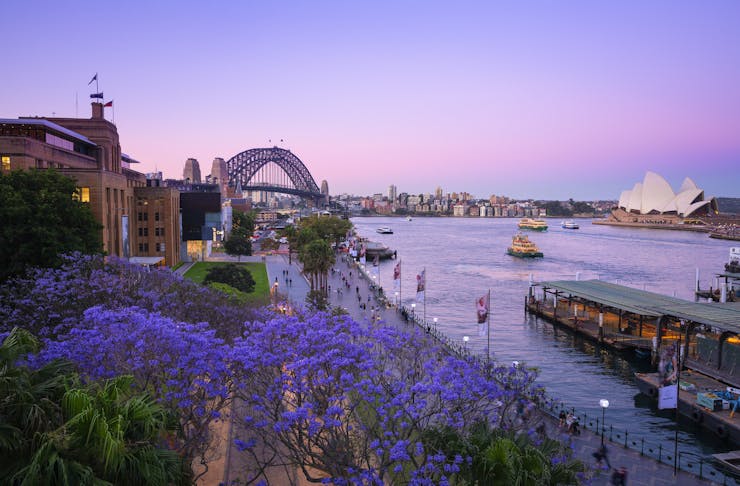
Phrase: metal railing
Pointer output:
(663, 452)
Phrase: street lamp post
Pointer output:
(413, 311)
(604, 405)
(435, 324)
(465, 343)
(396, 293)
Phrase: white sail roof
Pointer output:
(655, 195)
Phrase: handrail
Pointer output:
(702, 466)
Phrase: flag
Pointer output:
(420, 285)
(94, 78)
(482, 307)
(110, 103)
(397, 276)
(97, 95)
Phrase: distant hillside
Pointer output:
(729, 205)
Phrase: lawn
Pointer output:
(261, 286)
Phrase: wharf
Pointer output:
(719, 422)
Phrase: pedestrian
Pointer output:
(561, 417)
(290, 282)
(357, 289)
(602, 455)
(368, 297)
(541, 431)
(619, 477)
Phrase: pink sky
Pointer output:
(527, 99)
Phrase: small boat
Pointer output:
(570, 224)
(408, 218)
(533, 224)
(523, 248)
(385, 230)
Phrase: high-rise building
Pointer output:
(438, 193)
(191, 172)
(325, 188)
(392, 193)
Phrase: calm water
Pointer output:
(464, 257)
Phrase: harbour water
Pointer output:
(465, 257)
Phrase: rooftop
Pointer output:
(46, 123)
(725, 316)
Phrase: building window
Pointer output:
(143, 247)
(6, 162)
(158, 231)
(156, 216)
(141, 216)
(160, 247)
(143, 231)
(85, 194)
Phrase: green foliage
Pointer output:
(242, 222)
(234, 275)
(316, 300)
(56, 431)
(261, 294)
(317, 258)
(505, 457)
(41, 220)
(330, 229)
(238, 243)
(269, 244)
(237, 295)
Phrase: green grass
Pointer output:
(261, 294)
(178, 266)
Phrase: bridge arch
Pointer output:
(243, 167)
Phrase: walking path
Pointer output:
(362, 302)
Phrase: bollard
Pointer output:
(642, 447)
(611, 430)
(625, 438)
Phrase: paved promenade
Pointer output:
(641, 470)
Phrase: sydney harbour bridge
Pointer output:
(272, 170)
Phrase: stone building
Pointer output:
(87, 150)
(191, 172)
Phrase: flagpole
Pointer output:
(488, 348)
(678, 388)
(400, 285)
(425, 295)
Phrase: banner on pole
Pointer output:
(482, 306)
(420, 285)
(667, 374)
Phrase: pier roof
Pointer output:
(725, 316)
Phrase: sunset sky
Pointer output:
(549, 100)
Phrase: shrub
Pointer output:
(233, 275)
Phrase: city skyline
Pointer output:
(528, 100)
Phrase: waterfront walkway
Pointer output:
(641, 470)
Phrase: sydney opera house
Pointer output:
(654, 201)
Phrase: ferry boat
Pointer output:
(523, 248)
(533, 224)
(570, 224)
(385, 230)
